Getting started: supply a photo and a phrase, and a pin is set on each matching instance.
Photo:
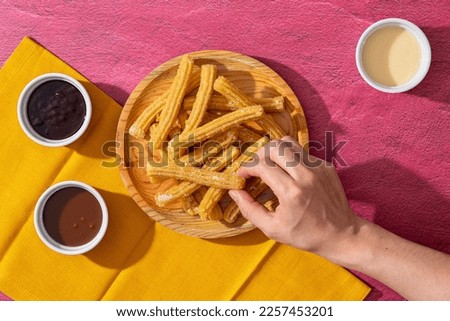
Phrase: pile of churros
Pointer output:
(206, 128)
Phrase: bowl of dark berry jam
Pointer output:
(54, 109)
(71, 217)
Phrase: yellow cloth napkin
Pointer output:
(138, 259)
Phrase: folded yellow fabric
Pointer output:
(137, 259)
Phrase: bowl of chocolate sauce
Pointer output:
(71, 217)
(54, 109)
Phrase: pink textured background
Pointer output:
(397, 144)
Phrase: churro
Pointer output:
(255, 188)
(232, 93)
(208, 74)
(149, 115)
(173, 103)
(209, 148)
(186, 188)
(152, 130)
(298, 118)
(182, 117)
(216, 212)
(213, 195)
(271, 204)
(247, 135)
(190, 205)
(226, 180)
(271, 127)
(220, 125)
(220, 103)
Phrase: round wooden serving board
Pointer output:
(252, 77)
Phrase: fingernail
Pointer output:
(233, 194)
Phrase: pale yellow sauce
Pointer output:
(391, 56)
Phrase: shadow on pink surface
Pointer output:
(435, 85)
(117, 93)
(315, 109)
(322, 130)
(405, 204)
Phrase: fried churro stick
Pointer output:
(208, 74)
(271, 104)
(271, 204)
(270, 126)
(299, 121)
(173, 103)
(231, 92)
(160, 156)
(182, 118)
(148, 116)
(152, 129)
(220, 124)
(253, 126)
(215, 126)
(255, 188)
(201, 176)
(190, 205)
(209, 148)
(186, 188)
(209, 117)
(216, 212)
(247, 135)
(216, 102)
(175, 129)
(213, 195)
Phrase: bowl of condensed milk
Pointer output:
(393, 55)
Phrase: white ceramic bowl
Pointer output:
(22, 110)
(49, 241)
(425, 58)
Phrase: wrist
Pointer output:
(358, 245)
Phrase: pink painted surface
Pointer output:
(397, 144)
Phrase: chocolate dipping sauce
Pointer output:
(72, 216)
(56, 109)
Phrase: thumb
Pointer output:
(251, 209)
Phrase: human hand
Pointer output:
(313, 213)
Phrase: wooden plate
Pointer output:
(251, 76)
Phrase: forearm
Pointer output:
(414, 271)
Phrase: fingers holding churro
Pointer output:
(255, 188)
(214, 194)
